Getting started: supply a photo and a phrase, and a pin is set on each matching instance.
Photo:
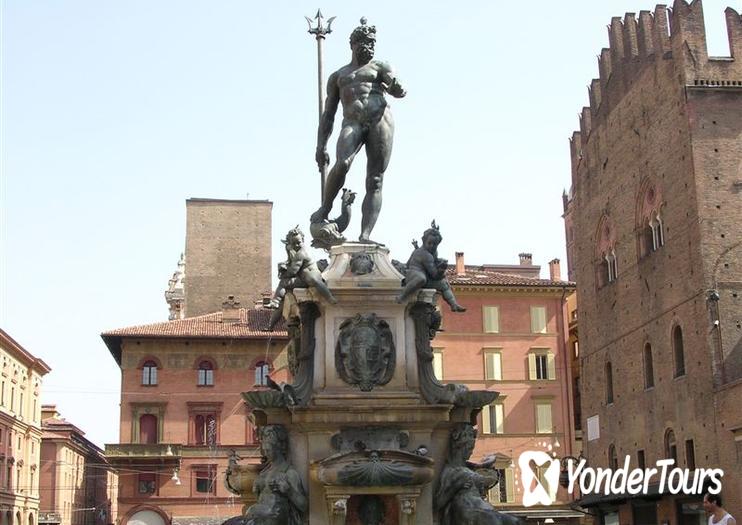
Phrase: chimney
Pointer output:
(526, 259)
(266, 298)
(49, 412)
(555, 271)
(231, 310)
(460, 268)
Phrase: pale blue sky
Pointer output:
(113, 113)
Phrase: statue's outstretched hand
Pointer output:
(396, 90)
(322, 158)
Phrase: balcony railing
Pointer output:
(124, 451)
(50, 517)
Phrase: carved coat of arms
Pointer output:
(364, 353)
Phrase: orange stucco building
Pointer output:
(513, 339)
(77, 486)
(182, 414)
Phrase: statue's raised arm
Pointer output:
(367, 122)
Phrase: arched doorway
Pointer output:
(146, 517)
(30, 519)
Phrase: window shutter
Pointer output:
(486, 428)
(551, 364)
(532, 366)
(438, 364)
(493, 366)
(153, 375)
(499, 418)
(491, 319)
(543, 418)
(489, 365)
(509, 485)
(538, 319)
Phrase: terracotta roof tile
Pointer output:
(253, 324)
(482, 276)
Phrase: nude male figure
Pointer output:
(367, 120)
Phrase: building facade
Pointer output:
(182, 414)
(513, 339)
(655, 246)
(77, 485)
(20, 432)
(227, 253)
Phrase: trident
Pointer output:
(319, 33)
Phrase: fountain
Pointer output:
(362, 435)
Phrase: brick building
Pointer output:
(20, 432)
(228, 252)
(512, 339)
(655, 245)
(76, 483)
(182, 413)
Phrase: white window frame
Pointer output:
(550, 364)
(612, 265)
(658, 237)
(493, 419)
(493, 494)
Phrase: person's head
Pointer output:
(432, 238)
(362, 41)
(274, 441)
(711, 502)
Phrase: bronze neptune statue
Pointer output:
(367, 121)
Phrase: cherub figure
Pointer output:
(298, 271)
(426, 270)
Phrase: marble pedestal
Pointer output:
(377, 436)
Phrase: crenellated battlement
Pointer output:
(664, 37)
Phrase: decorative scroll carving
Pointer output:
(364, 353)
(427, 321)
(303, 377)
(301, 363)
